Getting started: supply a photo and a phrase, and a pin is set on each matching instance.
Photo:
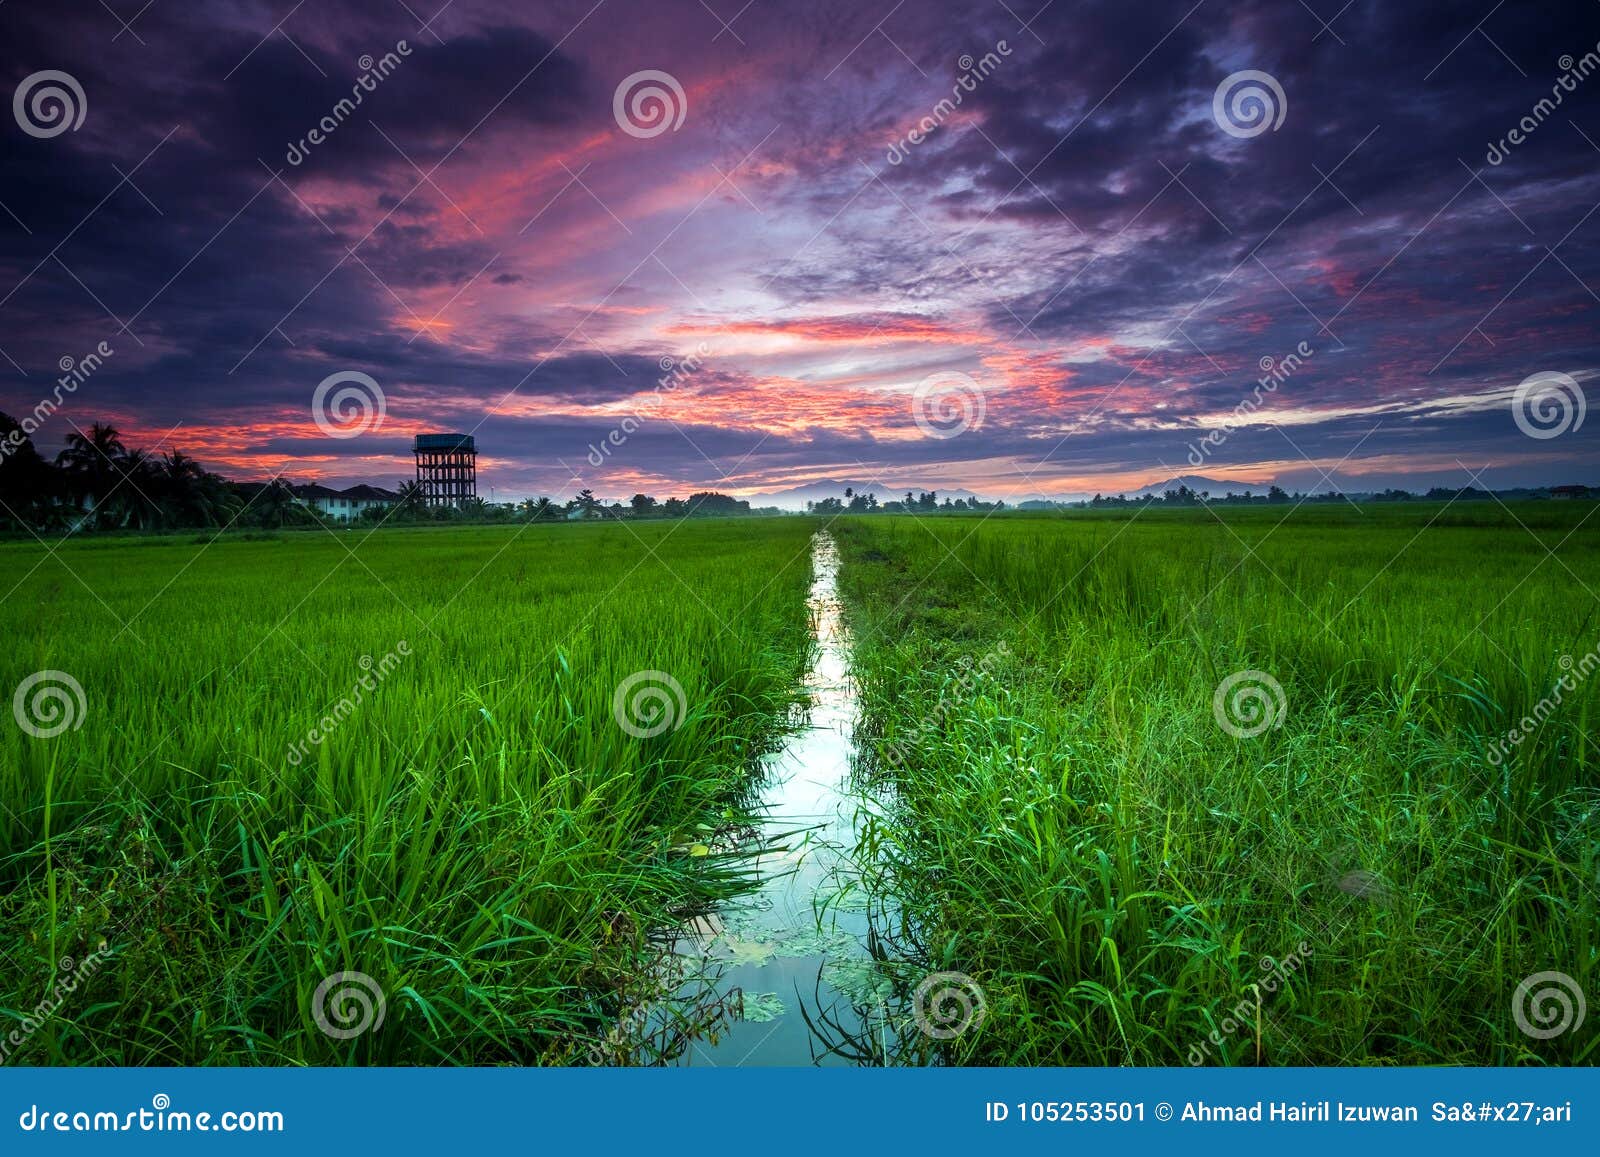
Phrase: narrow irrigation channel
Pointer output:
(791, 961)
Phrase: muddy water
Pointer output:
(792, 958)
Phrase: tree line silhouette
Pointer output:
(97, 482)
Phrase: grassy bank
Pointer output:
(1361, 871)
(393, 755)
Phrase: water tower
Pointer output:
(447, 468)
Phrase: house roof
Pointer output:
(370, 493)
(361, 493)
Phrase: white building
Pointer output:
(345, 505)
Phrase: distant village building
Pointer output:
(344, 505)
(447, 468)
(1569, 492)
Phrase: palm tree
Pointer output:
(412, 500)
(91, 463)
(29, 486)
(545, 511)
(277, 506)
(189, 494)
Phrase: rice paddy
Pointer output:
(1209, 787)
(1204, 788)
(401, 756)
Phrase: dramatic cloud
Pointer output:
(857, 198)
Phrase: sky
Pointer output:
(1024, 249)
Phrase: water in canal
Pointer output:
(793, 959)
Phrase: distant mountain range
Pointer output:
(1199, 482)
(796, 497)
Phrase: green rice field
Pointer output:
(1250, 786)
(1366, 879)
(473, 831)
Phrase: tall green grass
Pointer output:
(1129, 883)
(478, 836)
